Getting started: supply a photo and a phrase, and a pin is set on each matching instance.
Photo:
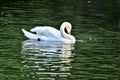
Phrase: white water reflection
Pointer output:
(46, 60)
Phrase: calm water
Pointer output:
(95, 55)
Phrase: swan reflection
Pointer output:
(46, 60)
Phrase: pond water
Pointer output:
(94, 56)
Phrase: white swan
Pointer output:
(47, 33)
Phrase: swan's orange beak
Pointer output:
(69, 33)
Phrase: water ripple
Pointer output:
(41, 59)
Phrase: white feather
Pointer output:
(47, 33)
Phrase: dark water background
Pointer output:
(95, 56)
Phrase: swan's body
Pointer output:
(47, 33)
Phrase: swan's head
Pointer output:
(68, 26)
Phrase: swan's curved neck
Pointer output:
(62, 31)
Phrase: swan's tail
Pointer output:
(30, 35)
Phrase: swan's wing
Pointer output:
(29, 35)
(47, 31)
(52, 32)
(33, 36)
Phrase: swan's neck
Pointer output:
(63, 33)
